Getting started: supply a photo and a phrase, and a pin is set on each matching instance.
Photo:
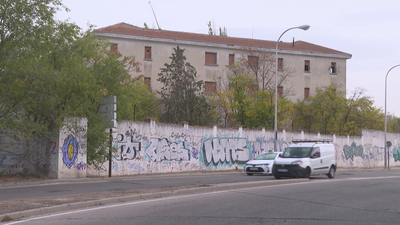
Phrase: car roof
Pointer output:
(307, 144)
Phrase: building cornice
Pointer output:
(216, 45)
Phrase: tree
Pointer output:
(361, 114)
(136, 102)
(50, 70)
(25, 27)
(181, 95)
(261, 64)
(330, 112)
(304, 116)
(329, 103)
(241, 84)
(211, 30)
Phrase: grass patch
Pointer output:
(7, 219)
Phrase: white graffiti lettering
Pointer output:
(164, 149)
(126, 148)
(224, 150)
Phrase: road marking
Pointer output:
(193, 195)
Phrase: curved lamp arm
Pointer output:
(385, 116)
(303, 27)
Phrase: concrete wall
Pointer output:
(145, 148)
(72, 149)
(61, 157)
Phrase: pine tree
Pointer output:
(182, 96)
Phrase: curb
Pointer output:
(108, 201)
(100, 179)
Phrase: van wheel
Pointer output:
(277, 177)
(250, 174)
(307, 173)
(331, 173)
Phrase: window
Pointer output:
(252, 61)
(280, 63)
(231, 59)
(280, 91)
(315, 153)
(306, 65)
(306, 93)
(147, 52)
(333, 67)
(147, 82)
(211, 58)
(211, 88)
(114, 47)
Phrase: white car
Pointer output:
(262, 164)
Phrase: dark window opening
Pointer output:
(252, 61)
(333, 67)
(147, 52)
(114, 48)
(280, 63)
(307, 66)
(211, 58)
(306, 93)
(231, 59)
(210, 88)
(280, 91)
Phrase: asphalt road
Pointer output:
(97, 185)
(356, 197)
(206, 183)
(57, 188)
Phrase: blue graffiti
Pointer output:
(70, 151)
(351, 151)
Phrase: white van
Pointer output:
(306, 158)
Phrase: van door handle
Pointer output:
(321, 161)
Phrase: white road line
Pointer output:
(193, 195)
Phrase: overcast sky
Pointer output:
(368, 30)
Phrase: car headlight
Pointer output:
(298, 162)
(267, 164)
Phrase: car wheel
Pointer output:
(331, 173)
(277, 177)
(307, 173)
(250, 174)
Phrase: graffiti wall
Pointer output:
(60, 157)
(72, 150)
(11, 163)
(145, 148)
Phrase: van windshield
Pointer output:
(297, 152)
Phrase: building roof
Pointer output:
(128, 29)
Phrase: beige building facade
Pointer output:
(311, 65)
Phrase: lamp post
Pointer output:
(303, 27)
(385, 118)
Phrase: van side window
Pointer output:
(315, 153)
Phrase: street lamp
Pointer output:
(303, 27)
(385, 118)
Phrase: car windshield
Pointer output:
(297, 152)
(268, 156)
